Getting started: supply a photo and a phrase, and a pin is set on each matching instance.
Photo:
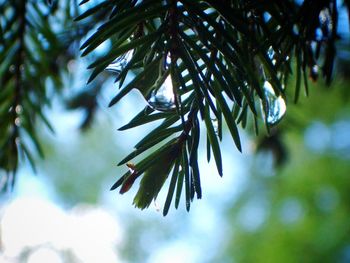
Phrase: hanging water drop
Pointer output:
(156, 205)
(215, 123)
(163, 99)
(119, 64)
(314, 72)
(271, 54)
(18, 121)
(274, 107)
(188, 205)
(12, 68)
(72, 66)
(168, 60)
(325, 19)
(18, 109)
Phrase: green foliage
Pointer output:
(215, 57)
(299, 212)
(218, 56)
(155, 176)
(37, 40)
(30, 55)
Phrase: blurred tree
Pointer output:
(75, 168)
(37, 40)
(218, 61)
(300, 212)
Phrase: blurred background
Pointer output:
(285, 199)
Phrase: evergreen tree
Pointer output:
(211, 62)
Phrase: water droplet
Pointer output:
(168, 59)
(19, 109)
(18, 121)
(156, 205)
(267, 16)
(274, 107)
(17, 141)
(271, 55)
(188, 205)
(314, 72)
(163, 99)
(216, 125)
(318, 34)
(270, 52)
(295, 30)
(325, 19)
(12, 68)
(21, 68)
(119, 64)
(72, 65)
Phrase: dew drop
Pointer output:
(72, 66)
(156, 206)
(274, 107)
(168, 59)
(18, 121)
(318, 34)
(19, 109)
(295, 30)
(216, 125)
(163, 99)
(314, 72)
(18, 141)
(271, 55)
(12, 68)
(119, 64)
(270, 52)
(325, 19)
